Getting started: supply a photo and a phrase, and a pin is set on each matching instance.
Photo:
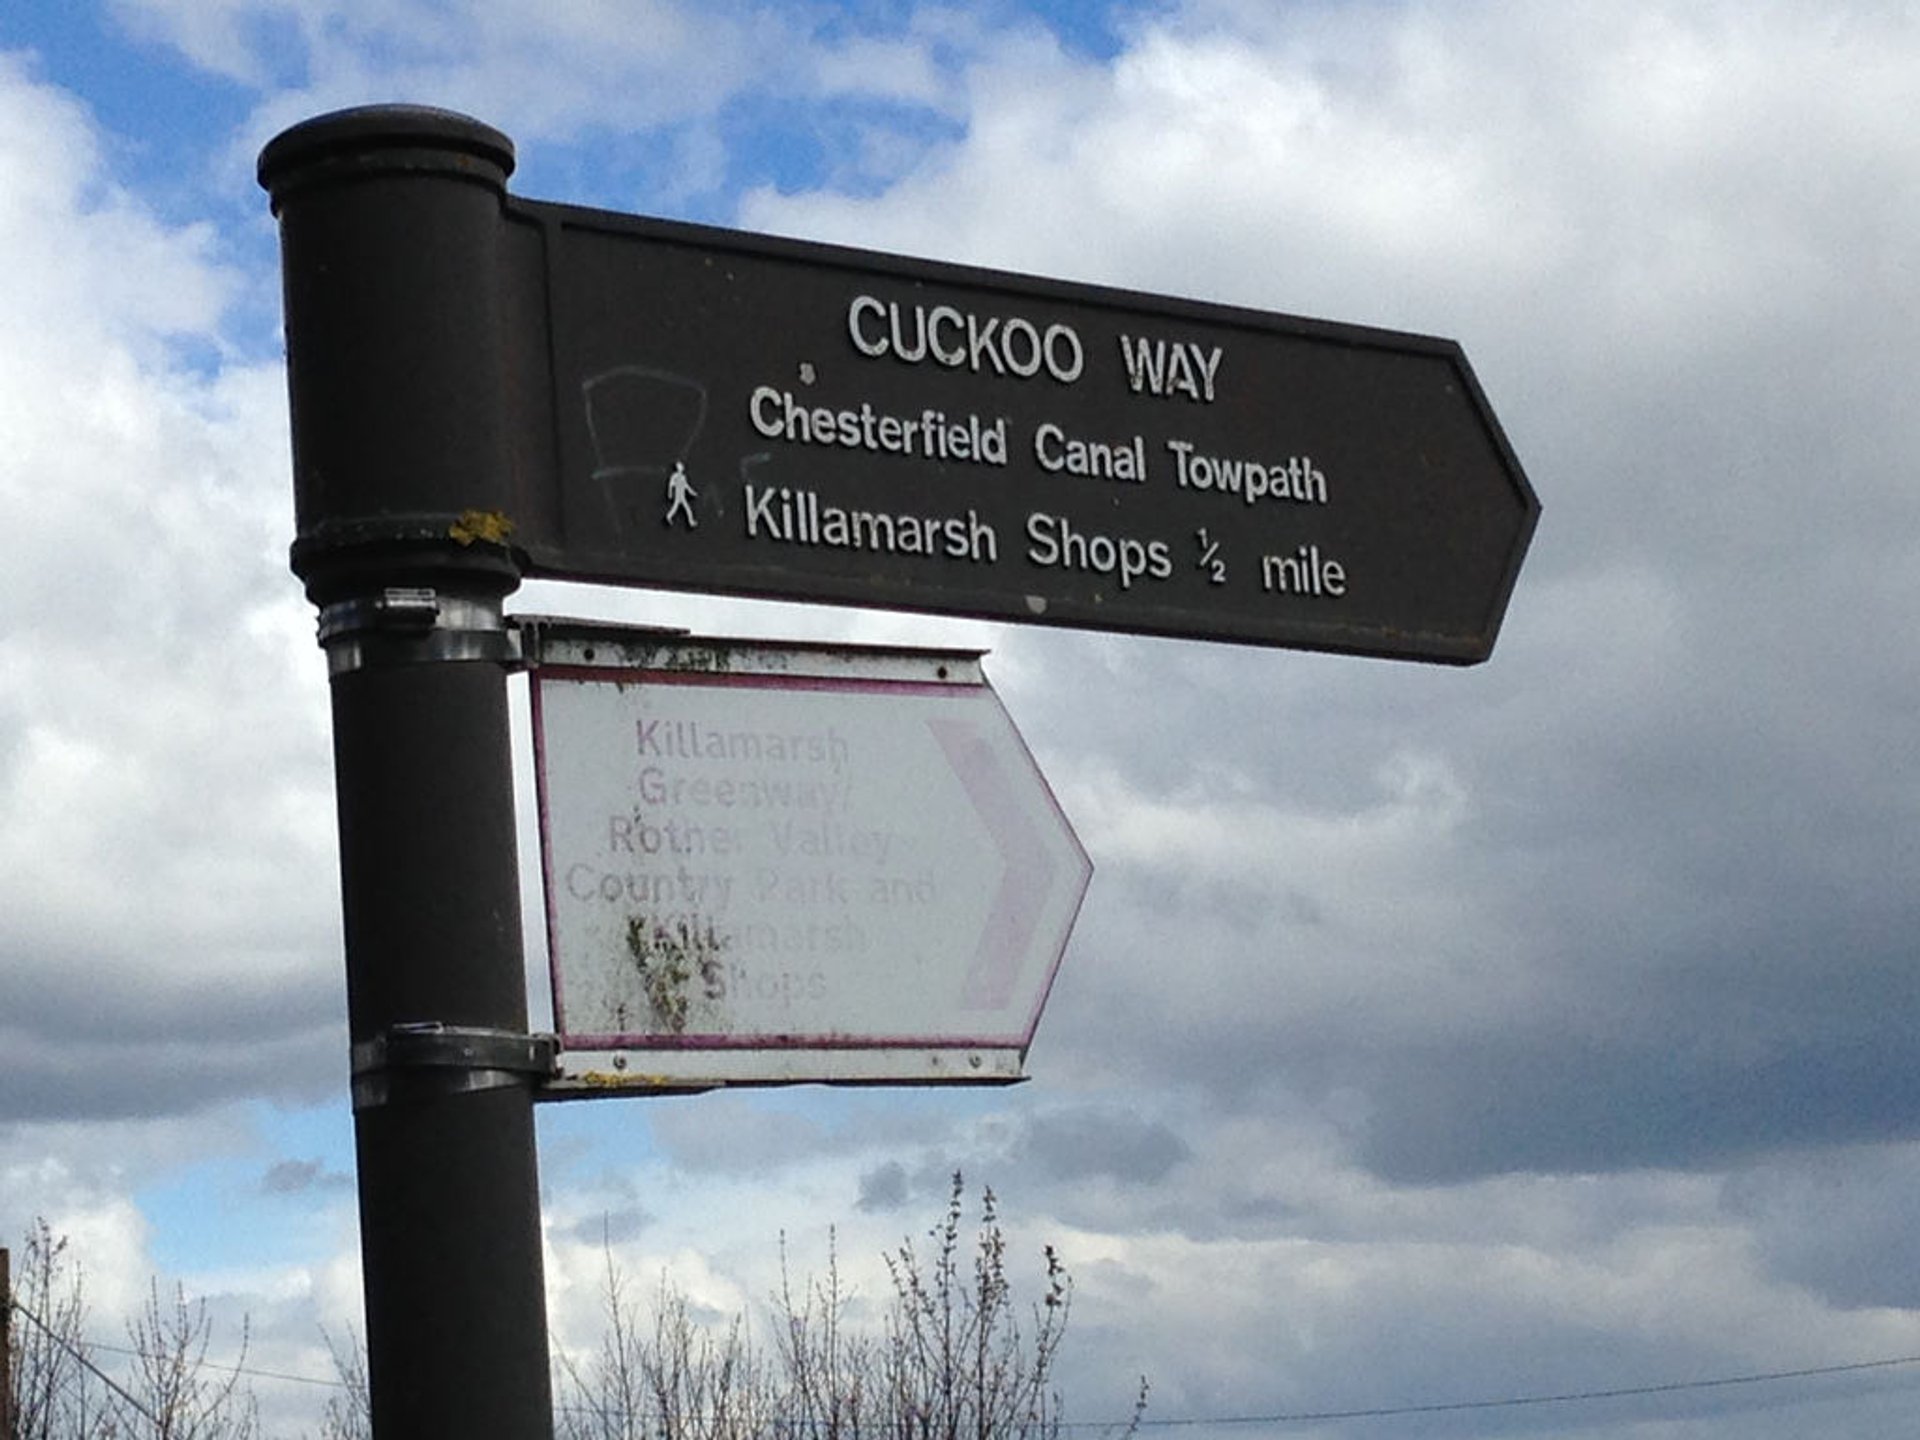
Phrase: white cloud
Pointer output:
(576, 68)
(162, 751)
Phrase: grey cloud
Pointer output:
(1845, 1224)
(882, 1189)
(298, 1177)
(611, 1227)
(1664, 1018)
(727, 1134)
(1574, 1106)
(1103, 1142)
(131, 1030)
(158, 1074)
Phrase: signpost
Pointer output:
(770, 863)
(391, 255)
(6, 1344)
(485, 387)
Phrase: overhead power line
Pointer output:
(1622, 1392)
(81, 1357)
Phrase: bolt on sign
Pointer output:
(772, 863)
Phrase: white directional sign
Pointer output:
(772, 863)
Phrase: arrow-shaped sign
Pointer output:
(740, 413)
(775, 863)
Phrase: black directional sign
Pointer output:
(764, 417)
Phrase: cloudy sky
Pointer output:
(1430, 1037)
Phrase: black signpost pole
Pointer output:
(6, 1345)
(391, 228)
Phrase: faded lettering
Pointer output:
(1170, 368)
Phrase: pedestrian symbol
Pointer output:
(680, 495)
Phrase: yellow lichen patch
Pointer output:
(491, 526)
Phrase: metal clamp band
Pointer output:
(407, 625)
(449, 1060)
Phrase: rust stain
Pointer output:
(620, 1080)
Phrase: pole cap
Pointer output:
(372, 139)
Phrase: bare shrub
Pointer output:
(349, 1410)
(955, 1359)
(670, 1380)
(170, 1390)
(56, 1390)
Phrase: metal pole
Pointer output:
(6, 1345)
(400, 291)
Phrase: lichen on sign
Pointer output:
(676, 966)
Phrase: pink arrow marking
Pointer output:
(1027, 870)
